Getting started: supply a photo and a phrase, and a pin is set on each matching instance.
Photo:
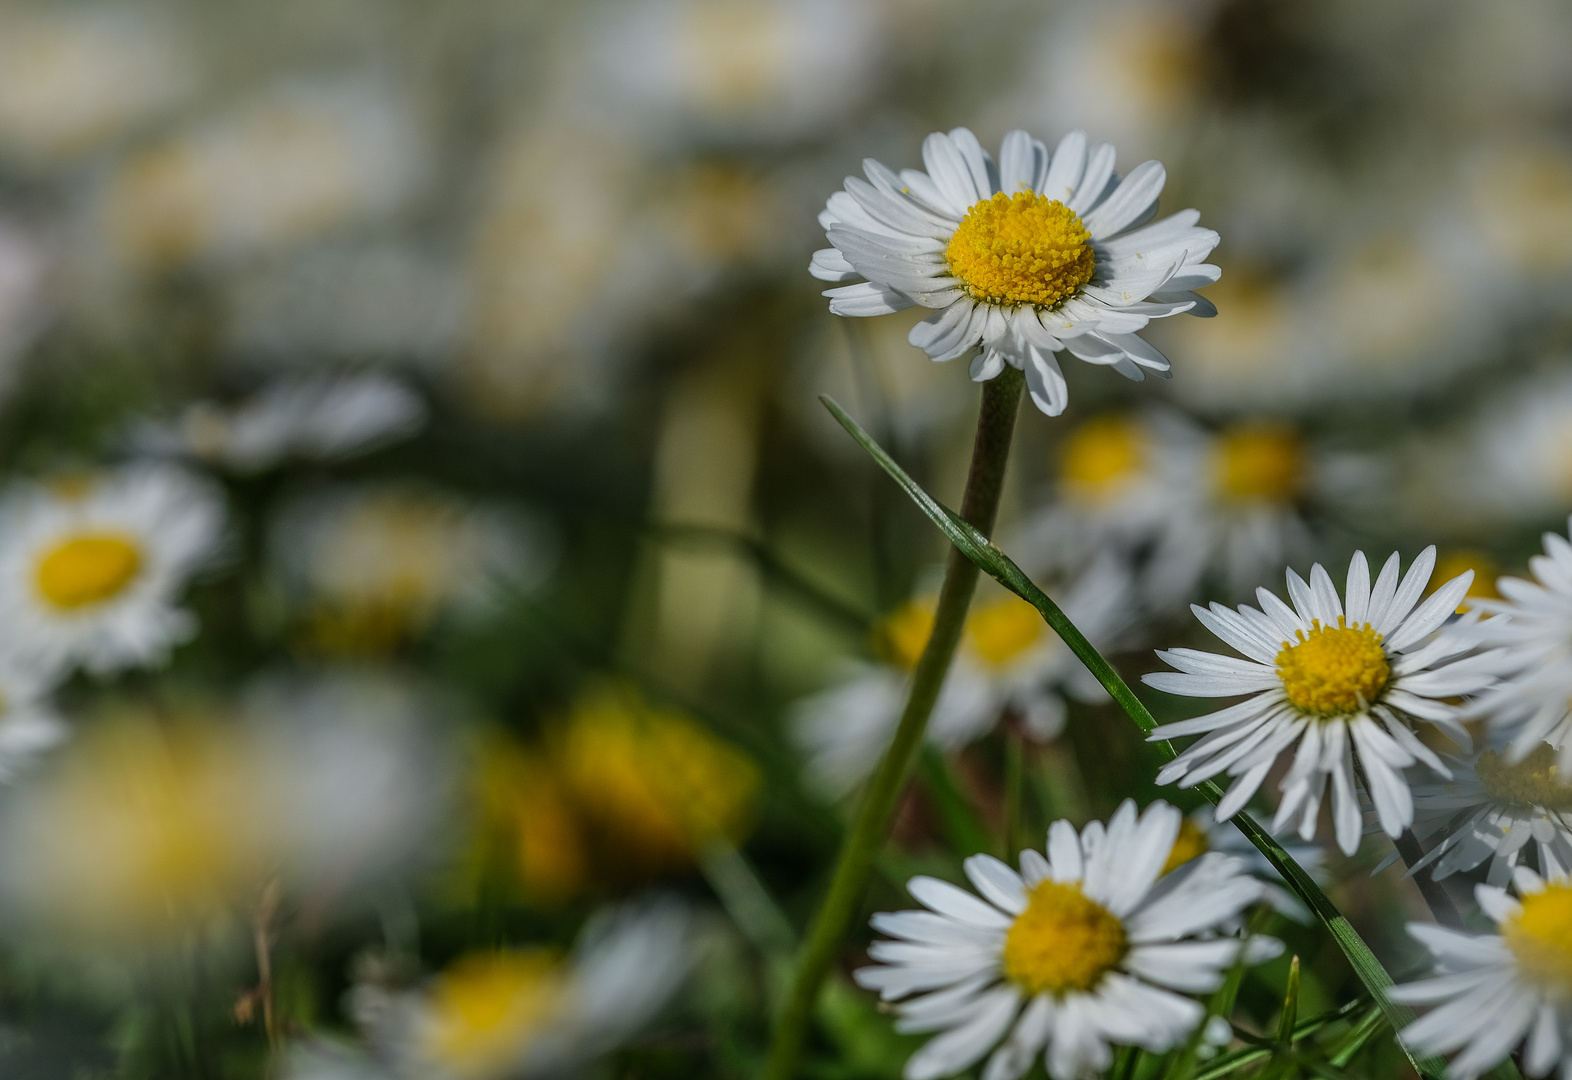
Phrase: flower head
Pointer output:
(1078, 950)
(1495, 992)
(1026, 257)
(1341, 678)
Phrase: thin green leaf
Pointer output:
(1290, 1017)
(993, 562)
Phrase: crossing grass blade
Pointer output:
(993, 562)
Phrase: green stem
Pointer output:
(1001, 399)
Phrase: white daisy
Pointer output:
(313, 417)
(1077, 951)
(1009, 662)
(29, 723)
(1344, 684)
(1493, 809)
(1202, 832)
(1026, 257)
(1530, 706)
(1494, 992)
(528, 1012)
(89, 570)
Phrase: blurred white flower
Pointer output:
(73, 76)
(280, 169)
(1026, 257)
(527, 1012)
(374, 565)
(1009, 662)
(748, 69)
(314, 417)
(1496, 810)
(1512, 460)
(90, 567)
(148, 827)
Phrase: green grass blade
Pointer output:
(993, 562)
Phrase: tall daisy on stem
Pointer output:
(1019, 257)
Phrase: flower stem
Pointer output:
(979, 506)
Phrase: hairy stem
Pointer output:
(979, 506)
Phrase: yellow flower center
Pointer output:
(1191, 843)
(1001, 631)
(1021, 249)
(88, 569)
(1333, 669)
(904, 633)
(485, 1008)
(1259, 462)
(1541, 938)
(1103, 455)
(1062, 941)
(1531, 782)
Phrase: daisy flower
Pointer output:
(1009, 661)
(1201, 832)
(1531, 706)
(528, 1012)
(1342, 680)
(1025, 257)
(29, 724)
(1494, 809)
(89, 570)
(1081, 949)
(1494, 992)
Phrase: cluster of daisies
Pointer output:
(1342, 693)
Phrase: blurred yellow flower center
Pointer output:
(1259, 462)
(88, 569)
(1531, 782)
(1333, 669)
(1062, 941)
(1103, 454)
(1541, 938)
(1021, 249)
(1460, 561)
(485, 1008)
(904, 633)
(1191, 843)
(1001, 631)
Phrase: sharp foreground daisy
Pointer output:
(1494, 809)
(1027, 257)
(1493, 992)
(1342, 679)
(89, 571)
(1531, 707)
(1079, 950)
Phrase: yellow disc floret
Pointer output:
(1103, 455)
(1541, 938)
(1531, 782)
(903, 634)
(88, 569)
(1191, 843)
(1002, 631)
(485, 1008)
(1259, 463)
(1021, 249)
(1333, 670)
(1063, 941)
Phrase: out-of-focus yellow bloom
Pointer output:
(482, 1011)
(652, 783)
(527, 830)
(1449, 564)
(1103, 456)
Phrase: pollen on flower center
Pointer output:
(1063, 941)
(1021, 249)
(1191, 843)
(484, 1009)
(88, 569)
(1333, 669)
(1259, 462)
(1531, 782)
(1000, 632)
(1541, 938)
